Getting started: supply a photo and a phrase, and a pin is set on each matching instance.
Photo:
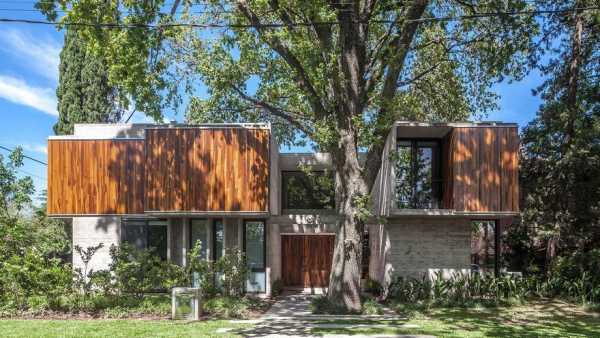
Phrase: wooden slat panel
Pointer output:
(306, 260)
(92, 177)
(203, 170)
(482, 169)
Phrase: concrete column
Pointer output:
(91, 231)
(273, 254)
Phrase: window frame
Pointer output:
(297, 173)
(213, 225)
(146, 226)
(264, 222)
(436, 169)
(191, 243)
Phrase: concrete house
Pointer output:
(168, 185)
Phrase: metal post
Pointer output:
(497, 248)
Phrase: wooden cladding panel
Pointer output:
(92, 177)
(481, 169)
(203, 170)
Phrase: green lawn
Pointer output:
(537, 320)
(114, 328)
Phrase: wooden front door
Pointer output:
(306, 260)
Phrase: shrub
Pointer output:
(460, 290)
(229, 307)
(232, 271)
(322, 305)
(141, 271)
(276, 287)
(371, 307)
(374, 287)
(32, 274)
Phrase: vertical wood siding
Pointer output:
(215, 169)
(481, 169)
(95, 177)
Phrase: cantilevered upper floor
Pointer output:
(236, 169)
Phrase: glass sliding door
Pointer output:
(255, 249)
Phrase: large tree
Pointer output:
(84, 94)
(336, 73)
(561, 147)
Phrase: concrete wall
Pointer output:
(90, 231)
(417, 247)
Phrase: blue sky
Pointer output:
(29, 56)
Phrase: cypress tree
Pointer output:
(84, 94)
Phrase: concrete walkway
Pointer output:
(290, 317)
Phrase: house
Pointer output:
(169, 185)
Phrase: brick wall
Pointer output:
(417, 247)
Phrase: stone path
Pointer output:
(290, 317)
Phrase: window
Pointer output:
(199, 232)
(254, 244)
(254, 247)
(484, 245)
(307, 191)
(145, 234)
(418, 183)
(218, 238)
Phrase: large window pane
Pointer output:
(199, 232)
(157, 237)
(219, 236)
(144, 234)
(134, 233)
(404, 179)
(255, 244)
(417, 174)
(307, 191)
(423, 177)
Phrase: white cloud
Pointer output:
(17, 91)
(42, 54)
(36, 148)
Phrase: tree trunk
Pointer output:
(344, 282)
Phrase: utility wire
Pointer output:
(28, 157)
(278, 25)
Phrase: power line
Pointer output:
(279, 25)
(28, 157)
(30, 174)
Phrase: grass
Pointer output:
(542, 319)
(115, 328)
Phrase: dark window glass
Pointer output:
(218, 238)
(199, 232)
(483, 245)
(145, 234)
(404, 179)
(307, 191)
(255, 244)
(418, 183)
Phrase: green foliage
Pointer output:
(374, 287)
(84, 94)
(231, 307)
(201, 271)
(141, 271)
(460, 290)
(276, 287)
(232, 271)
(31, 274)
(560, 157)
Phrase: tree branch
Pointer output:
(302, 78)
(276, 111)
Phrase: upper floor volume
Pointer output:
(220, 169)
